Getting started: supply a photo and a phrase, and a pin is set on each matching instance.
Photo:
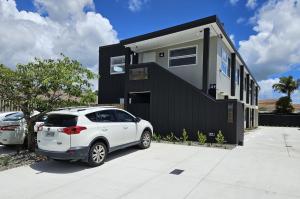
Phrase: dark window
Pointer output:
(123, 116)
(42, 118)
(102, 116)
(229, 67)
(138, 74)
(183, 56)
(182, 61)
(58, 120)
(183, 52)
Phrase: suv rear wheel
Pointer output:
(145, 139)
(97, 154)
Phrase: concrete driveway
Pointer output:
(268, 166)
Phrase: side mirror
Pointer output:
(137, 120)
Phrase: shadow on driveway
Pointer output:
(65, 167)
(6, 150)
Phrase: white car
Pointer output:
(89, 134)
(13, 129)
(6, 114)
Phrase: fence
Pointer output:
(272, 119)
(7, 106)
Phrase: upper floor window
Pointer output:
(237, 76)
(138, 74)
(117, 65)
(183, 56)
(225, 63)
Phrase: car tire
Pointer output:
(97, 154)
(145, 139)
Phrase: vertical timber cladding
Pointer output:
(111, 87)
(176, 104)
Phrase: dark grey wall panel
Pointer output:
(111, 87)
(176, 104)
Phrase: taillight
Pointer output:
(73, 130)
(9, 128)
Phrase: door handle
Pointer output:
(104, 129)
(125, 127)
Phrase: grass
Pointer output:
(4, 161)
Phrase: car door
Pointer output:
(128, 126)
(105, 123)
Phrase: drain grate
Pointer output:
(176, 171)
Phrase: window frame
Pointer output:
(117, 119)
(112, 112)
(112, 65)
(184, 56)
(228, 63)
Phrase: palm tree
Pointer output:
(286, 85)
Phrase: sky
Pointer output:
(266, 32)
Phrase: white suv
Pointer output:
(89, 134)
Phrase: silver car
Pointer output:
(13, 129)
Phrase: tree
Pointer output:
(284, 105)
(44, 85)
(286, 85)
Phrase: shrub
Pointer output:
(201, 138)
(170, 138)
(156, 137)
(185, 136)
(220, 138)
(189, 143)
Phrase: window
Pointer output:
(57, 120)
(123, 116)
(117, 65)
(237, 76)
(183, 56)
(14, 117)
(102, 116)
(138, 74)
(225, 63)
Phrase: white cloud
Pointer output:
(276, 46)
(64, 27)
(267, 91)
(240, 20)
(233, 2)
(251, 4)
(232, 38)
(136, 5)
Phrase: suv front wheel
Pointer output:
(146, 139)
(97, 154)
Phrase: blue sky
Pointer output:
(266, 32)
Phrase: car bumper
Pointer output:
(10, 138)
(71, 154)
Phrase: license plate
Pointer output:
(49, 134)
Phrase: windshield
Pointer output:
(14, 117)
(57, 120)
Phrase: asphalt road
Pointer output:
(268, 166)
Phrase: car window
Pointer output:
(14, 117)
(42, 118)
(123, 116)
(57, 120)
(102, 116)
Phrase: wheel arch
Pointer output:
(100, 139)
